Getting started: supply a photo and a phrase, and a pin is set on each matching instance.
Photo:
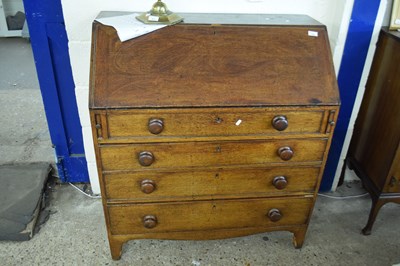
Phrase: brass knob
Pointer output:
(146, 158)
(286, 153)
(274, 215)
(280, 122)
(150, 221)
(156, 126)
(147, 186)
(279, 182)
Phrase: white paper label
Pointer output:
(153, 18)
(129, 27)
(313, 33)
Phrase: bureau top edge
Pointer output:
(92, 106)
(234, 18)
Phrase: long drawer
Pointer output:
(206, 154)
(209, 184)
(209, 122)
(207, 215)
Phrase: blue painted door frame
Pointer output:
(355, 52)
(50, 49)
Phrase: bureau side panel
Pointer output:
(377, 129)
(393, 181)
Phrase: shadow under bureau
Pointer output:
(212, 128)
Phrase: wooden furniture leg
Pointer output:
(116, 248)
(376, 206)
(298, 237)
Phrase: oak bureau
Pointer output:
(212, 128)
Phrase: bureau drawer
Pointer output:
(205, 154)
(206, 215)
(212, 122)
(210, 183)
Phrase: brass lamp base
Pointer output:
(159, 14)
(147, 18)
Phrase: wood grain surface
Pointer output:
(203, 215)
(206, 154)
(210, 183)
(210, 130)
(212, 122)
(376, 137)
(209, 65)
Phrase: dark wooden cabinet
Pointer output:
(374, 152)
(213, 128)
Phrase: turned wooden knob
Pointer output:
(286, 153)
(149, 221)
(279, 182)
(274, 215)
(147, 186)
(156, 126)
(146, 158)
(280, 122)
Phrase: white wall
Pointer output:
(9, 8)
(12, 6)
(80, 14)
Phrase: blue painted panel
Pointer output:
(58, 44)
(50, 49)
(355, 52)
